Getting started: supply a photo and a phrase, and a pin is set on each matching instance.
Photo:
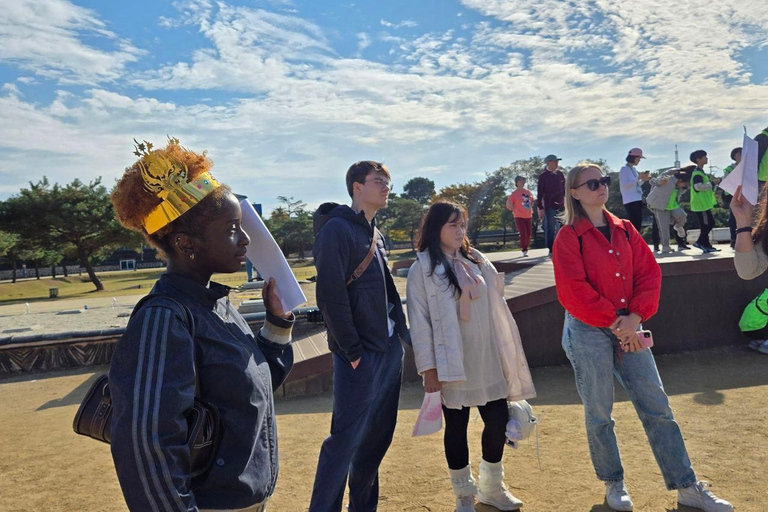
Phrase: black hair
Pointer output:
(632, 159)
(734, 152)
(437, 216)
(699, 153)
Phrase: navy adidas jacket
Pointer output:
(152, 383)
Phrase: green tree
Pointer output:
(406, 215)
(9, 243)
(291, 225)
(419, 189)
(484, 201)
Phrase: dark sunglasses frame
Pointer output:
(595, 184)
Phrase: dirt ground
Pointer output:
(719, 398)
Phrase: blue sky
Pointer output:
(286, 94)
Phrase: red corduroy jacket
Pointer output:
(595, 279)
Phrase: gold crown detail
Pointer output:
(167, 178)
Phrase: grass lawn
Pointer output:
(129, 282)
(115, 284)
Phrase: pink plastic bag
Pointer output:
(430, 418)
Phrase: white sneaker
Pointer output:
(680, 230)
(465, 504)
(525, 253)
(617, 497)
(491, 489)
(699, 496)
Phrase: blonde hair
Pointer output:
(573, 209)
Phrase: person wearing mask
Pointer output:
(549, 199)
(609, 282)
(630, 185)
(703, 200)
(466, 346)
(520, 203)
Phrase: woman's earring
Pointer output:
(192, 256)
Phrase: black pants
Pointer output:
(495, 416)
(706, 223)
(635, 214)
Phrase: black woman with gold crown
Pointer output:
(186, 344)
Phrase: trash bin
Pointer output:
(53, 293)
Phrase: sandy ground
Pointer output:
(719, 398)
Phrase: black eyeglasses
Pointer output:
(595, 184)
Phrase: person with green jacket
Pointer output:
(703, 200)
(754, 322)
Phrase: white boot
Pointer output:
(464, 488)
(492, 490)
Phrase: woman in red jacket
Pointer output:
(609, 282)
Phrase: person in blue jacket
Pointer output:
(161, 362)
(365, 321)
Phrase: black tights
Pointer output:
(495, 416)
(706, 223)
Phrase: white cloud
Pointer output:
(363, 42)
(402, 24)
(45, 38)
(537, 74)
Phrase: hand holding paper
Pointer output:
(268, 259)
(744, 175)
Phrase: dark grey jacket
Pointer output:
(152, 382)
(355, 315)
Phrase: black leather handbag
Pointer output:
(94, 416)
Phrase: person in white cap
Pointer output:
(630, 184)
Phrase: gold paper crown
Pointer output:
(167, 178)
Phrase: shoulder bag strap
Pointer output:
(367, 260)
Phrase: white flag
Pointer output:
(745, 173)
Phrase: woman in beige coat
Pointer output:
(467, 346)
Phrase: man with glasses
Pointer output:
(550, 192)
(362, 311)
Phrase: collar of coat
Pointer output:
(583, 224)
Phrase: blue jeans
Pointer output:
(365, 402)
(594, 355)
(550, 224)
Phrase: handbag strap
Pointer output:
(367, 260)
(190, 324)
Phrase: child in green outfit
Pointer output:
(754, 323)
(703, 200)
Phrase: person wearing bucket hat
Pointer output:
(186, 341)
(550, 193)
(630, 184)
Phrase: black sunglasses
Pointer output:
(595, 184)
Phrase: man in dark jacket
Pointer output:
(550, 196)
(365, 322)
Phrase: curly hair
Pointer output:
(133, 202)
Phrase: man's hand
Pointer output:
(431, 382)
(541, 213)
